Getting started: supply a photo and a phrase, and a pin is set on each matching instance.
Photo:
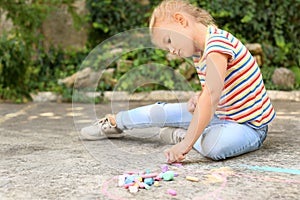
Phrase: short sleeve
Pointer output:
(220, 44)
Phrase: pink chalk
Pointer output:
(141, 185)
(129, 184)
(177, 164)
(134, 172)
(172, 192)
(164, 168)
(152, 175)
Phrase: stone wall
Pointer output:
(58, 28)
(5, 24)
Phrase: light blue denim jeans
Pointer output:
(221, 139)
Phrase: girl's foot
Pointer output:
(172, 135)
(103, 128)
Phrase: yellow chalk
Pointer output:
(191, 178)
(156, 184)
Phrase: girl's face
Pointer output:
(175, 38)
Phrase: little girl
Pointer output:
(228, 118)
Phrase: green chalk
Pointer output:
(168, 176)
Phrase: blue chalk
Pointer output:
(149, 181)
(272, 169)
(130, 179)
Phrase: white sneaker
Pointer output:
(172, 135)
(101, 129)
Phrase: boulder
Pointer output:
(87, 78)
(283, 77)
(257, 52)
(81, 79)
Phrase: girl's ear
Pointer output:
(181, 19)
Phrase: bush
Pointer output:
(274, 24)
(112, 17)
(14, 62)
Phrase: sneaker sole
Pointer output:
(84, 136)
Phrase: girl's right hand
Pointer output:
(191, 104)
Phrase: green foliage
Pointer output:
(274, 24)
(112, 17)
(14, 61)
(144, 75)
(54, 65)
(20, 48)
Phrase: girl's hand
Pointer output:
(191, 104)
(177, 152)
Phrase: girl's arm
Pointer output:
(205, 108)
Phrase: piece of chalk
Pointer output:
(191, 178)
(131, 172)
(172, 192)
(164, 168)
(152, 175)
(147, 186)
(156, 184)
(141, 185)
(168, 176)
(133, 189)
(130, 179)
(177, 164)
(121, 180)
(149, 181)
(127, 185)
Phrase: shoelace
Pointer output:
(179, 136)
(103, 121)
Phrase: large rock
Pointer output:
(257, 52)
(87, 78)
(59, 31)
(283, 77)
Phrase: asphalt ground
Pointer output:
(42, 157)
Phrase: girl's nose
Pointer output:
(172, 50)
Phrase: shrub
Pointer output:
(14, 62)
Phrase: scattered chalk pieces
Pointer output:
(134, 180)
(172, 192)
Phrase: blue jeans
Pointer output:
(221, 139)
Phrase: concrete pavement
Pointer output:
(42, 157)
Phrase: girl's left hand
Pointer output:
(177, 152)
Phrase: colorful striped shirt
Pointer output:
(244, 98)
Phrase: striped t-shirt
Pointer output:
(244, 98)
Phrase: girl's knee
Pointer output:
(215, 153)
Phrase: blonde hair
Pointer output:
(167, 8)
